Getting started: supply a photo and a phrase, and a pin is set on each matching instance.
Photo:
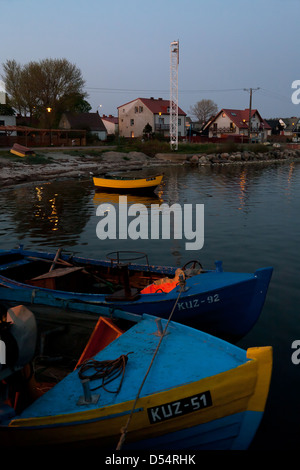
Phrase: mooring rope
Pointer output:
(106, 370)
(125, 428)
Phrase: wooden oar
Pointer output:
(55, 259)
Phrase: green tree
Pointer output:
(147, 131)
(49, 83)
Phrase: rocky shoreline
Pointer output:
(58, 164)
(245, 156)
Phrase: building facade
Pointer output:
(111, 124)
(88, 121)
(235, 122)
(134, 116)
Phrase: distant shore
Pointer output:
(53, 164)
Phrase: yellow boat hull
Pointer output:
(133, 184)
(233, 393)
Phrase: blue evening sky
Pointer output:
(123, 48)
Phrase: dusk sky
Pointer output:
(123, 48)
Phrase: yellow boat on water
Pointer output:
(127, 182)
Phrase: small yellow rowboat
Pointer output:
(21, 151)
(128, 182)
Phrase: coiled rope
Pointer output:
(107, 371)
(124, 430)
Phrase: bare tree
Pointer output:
(203, 110)
(13, 83)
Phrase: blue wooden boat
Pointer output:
(225, 304)
(120, 397)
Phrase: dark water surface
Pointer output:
(251, 220)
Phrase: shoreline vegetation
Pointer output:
(80, 162)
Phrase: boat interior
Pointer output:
(118, 279)
(42, 347)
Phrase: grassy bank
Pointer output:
(152, 147)
(148, 147)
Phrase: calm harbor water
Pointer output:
(251, 220)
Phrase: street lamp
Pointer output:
(49, 109)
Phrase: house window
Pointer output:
(2, 123)
(141, 109)
(136, 109)
(179, 122)
(132, 122)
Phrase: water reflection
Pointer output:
(50, 212)
(113, 198)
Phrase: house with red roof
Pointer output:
(235, 122)
(111, 123)
(135, 115)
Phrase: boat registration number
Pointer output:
(181, 407)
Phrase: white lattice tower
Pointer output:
(174, 95)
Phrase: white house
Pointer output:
(236, 122)
(135, 115)
(111, 123)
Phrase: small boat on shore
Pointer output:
(225, 304)
(119, 396)
(128, 182)
(21, 151)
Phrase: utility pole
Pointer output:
(250, 109)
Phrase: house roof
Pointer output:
(240, 117)
(156, 106)
(289, 123)
(86, 120)
(112, 119)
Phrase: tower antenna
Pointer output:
(174, 95)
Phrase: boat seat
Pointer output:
(49, 279)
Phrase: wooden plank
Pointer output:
(57, 273)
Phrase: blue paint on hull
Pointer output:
(234, 432)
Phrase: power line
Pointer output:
(127, 90)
